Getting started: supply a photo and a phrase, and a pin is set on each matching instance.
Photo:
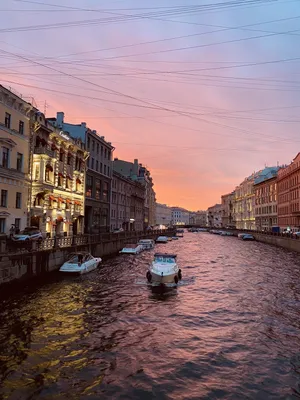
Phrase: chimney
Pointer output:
(60, 119)
(83, 124)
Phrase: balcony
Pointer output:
(44, 150)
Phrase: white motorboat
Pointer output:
(147, 244)
(248, 237)
(241, 235)
(162, 239)
(80, 263)
(164, 269)
(132, 249)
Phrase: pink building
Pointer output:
(288, 187)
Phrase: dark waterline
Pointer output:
(231, 330)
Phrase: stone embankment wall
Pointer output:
(285, 242)
(23, 265)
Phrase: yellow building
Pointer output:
(14, 153)
(58, 180)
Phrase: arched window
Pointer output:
(49, 173)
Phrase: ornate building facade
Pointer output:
(58, 165)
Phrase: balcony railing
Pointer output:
(44, 150)
(9, 246)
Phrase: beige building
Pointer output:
(201, 218)
(265, 187)
(14, 153)
(228, 217)
(214, 216)
(163, 214)
(244, 204)
(58, 165)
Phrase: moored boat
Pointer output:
(147, 244)
(162, 239)
(80, 263)
(248, 237)
(132, 248)
(164, 269)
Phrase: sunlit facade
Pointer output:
(14, 153)
(58, 165)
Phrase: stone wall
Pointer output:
(29, 264)
(287, 243)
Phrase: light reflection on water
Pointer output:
(229, 330)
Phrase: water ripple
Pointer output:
(230, 330)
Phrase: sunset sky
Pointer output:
(202, 92)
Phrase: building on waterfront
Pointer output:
(228, 218)
(57, 173)
(201, 218)
(214, 216)
(138, 172)
(265, 189)
(163, 215)
(98, 174)
(244, 201)
(288, 189)
(180, 216)
(127, 203)
(14, 160)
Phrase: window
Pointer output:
(105, 191)
(92, 166)
(69, 159)
(19, 162)
(2, 225)
(21, 127)
(101, 151)
(97, 148)
(101, 168)
(61, 155)
(98, 189)
(97, 165)
(93, 145)
(89, 186)
(18, 200)
(5, 157)
(68, 183)
(7, 120)
(108, 170)
(18, 223)
(60, 181)
(88, 143)
(104, 169)
(3, 198)
(105, 153)
(88, 163)
(108, 154)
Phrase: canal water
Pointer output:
(230, 330)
